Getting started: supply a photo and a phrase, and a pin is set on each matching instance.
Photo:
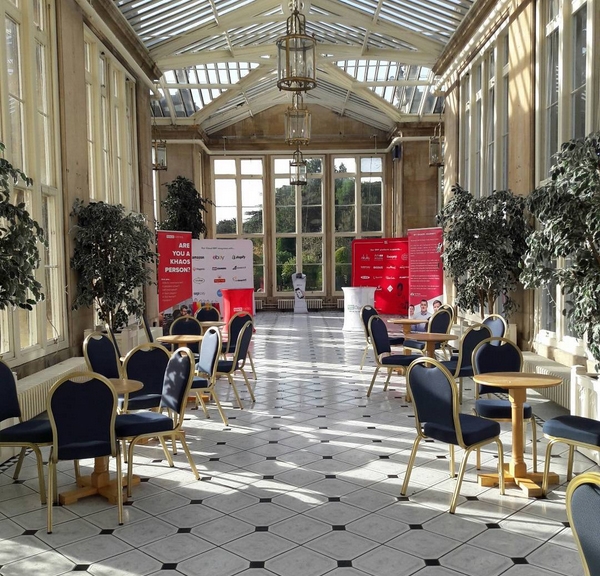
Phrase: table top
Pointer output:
(181, 338)
(209, 323)
(406, 321)
(431, 336)
(517, 380)
(126, 385)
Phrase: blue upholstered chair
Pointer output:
(439, 323)
(29, 434)
(500, 355)
(583, 512)
(461, 366)
(378, 335)
(206, 371)
(234, 326)
(229, 367)
(101, 356)
(146, 363)
(574, 431)
(208, 314)
(137, 426)
(366, 313)
(82, 408)
(435, 401)
(496, 324)
(187, 325)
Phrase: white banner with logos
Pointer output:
(218, 264)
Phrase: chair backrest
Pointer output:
(496, 355)
(440, 322)
(449, 309)
(242, 344)
(9, 406)
(146, 326)
(379, 337)
(234, 327)
(82, 408)
(434, 393)
(496, 324)
(187, 325)
(208, 313)
(366, 313)
(210, 348)
(177, 382)
(583, 512)
(113, 337)
(101, 356)
(147, 363)
(473, 336)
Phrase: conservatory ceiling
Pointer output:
(219, 60)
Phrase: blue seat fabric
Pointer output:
(36, 431)
(585, 512)
(575, 428)
(499, 409)
(142, 423)
(398, 359)
(474, 430)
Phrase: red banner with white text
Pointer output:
(174, 268)
(426, 271)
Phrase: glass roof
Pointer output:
(218, 58)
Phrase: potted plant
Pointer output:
(112, 252)
(484, 244)
(184, 207)
(19, 237)
(567, 212)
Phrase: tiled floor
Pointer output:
(305, 482)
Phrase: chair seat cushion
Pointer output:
(398, 359)
(499, 409)
(225, 366)
(199, 382)
(79, 450)
(474, 430)
(142, 402)
(36, 431)
(129, 425)
(415, 344)
(574, 428)
(396, 340)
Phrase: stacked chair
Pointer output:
(234, 327)
(101, 355)
(366, 313)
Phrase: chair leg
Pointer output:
(534, 443)
(452, 461)
(40, 469)
(545, 479)
(387, 380)
(460, 390)
(252, 365)
(570, 463)
(461, 473)
(364, 356)
(201, 402)
(119, 487)
(247, 382)
(235, 391)
(220, 409)
(409, 466)
(49, 496)
(501, 479)
(186, 449)
(20, 463)
(372, 381)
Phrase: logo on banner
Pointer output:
(217, 257)
(239, 267)
(219, 280)
(198, 280)
(236, 279)
(219, 268)
(234, 257)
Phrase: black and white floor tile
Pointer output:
(305, 482)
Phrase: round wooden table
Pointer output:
(517, 384)
(208, 323)
(430, 339)
(407, 323)
(180, 339)
(99, 482)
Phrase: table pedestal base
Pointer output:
(530, 482)
(98, 482)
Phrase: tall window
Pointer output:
(299, 230)
(28, 128)
(238, 191)
(110, 95)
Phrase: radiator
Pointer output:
(285, 304)
(314, 303)
(537, 364)
(258, 304)
(585, 401)
(340, 303)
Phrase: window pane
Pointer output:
(252, 206)
(258, 259)
(285, 207)
(224, 166)
(285, 260)
(312, 263)
(344, 165)
(343, 262)
(345, 201)
(551, 99)
(312, 215)
(226, 211)
(579, 72)
(373, 164)
(251, 167)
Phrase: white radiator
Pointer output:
(585, 400)
(285, 304)
(258, 304)
(537, 364)
(340, 303)
(314, 303)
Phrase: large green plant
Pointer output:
(484, 243)
(184, 208)
(19, 238)
(112, 252)
(567, 211)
